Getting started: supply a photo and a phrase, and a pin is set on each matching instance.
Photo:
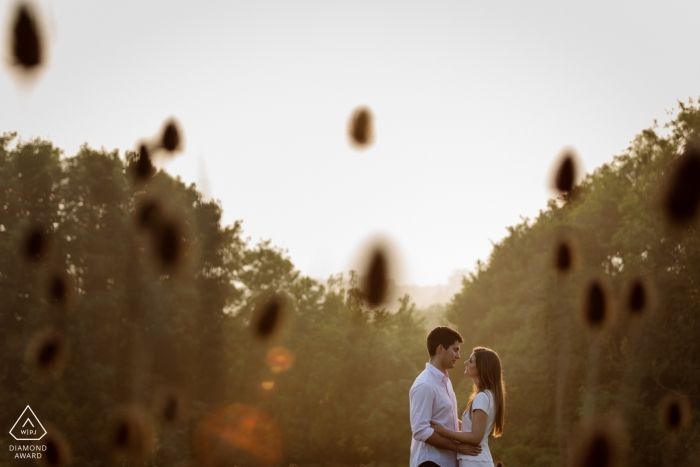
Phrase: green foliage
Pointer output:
(517, 305)
(137, 329)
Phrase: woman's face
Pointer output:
(470, 366)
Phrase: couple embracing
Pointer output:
(439, 437)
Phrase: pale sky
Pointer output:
(473, 101)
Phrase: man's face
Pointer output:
(449, 355)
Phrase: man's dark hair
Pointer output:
(442, 335)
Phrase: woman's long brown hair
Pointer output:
(490, 377)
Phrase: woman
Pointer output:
(486, 408)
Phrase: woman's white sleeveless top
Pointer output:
(482, 401)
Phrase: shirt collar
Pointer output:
(443, 377)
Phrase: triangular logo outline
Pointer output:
(28, 419)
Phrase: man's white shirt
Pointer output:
(432, 398)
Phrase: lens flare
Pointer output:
(240, 434)
(280, 359)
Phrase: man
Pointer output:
(432, 398)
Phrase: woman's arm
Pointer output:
(445, 443)
(479, 420)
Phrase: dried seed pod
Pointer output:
(361, 128)
(58, 452)
(602, 444)
(566, 171)
(148, 214)
(171, 140)
(375, 282)
(640, 296)
(170, 406)
(131, 433)
(47, 352)
(143, 167)
(563, 258)
(599, 452)
(598, 309)
(565, 255)
(27, 51)
(637, 298)
(171, 409)
(168, 244)
(683, 192)
(675, 413)
(378, 263)
(565, 175)
(167, 234)
(268, 315)
(36, 242)
(59, 288)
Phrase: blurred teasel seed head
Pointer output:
(169, 406)
(26, 42)
(375, 280)
(143, 167)
(47, 352)
(36, 242)
(147, 214)
(565, 175)
(58, 452)
(131, 433)
(565, 255)
(361, 128)
(171, 139)
(682, 196)
(268, 315)
(598, 310)
(640, 296)
(168, 244)
(59, 289)
(602, 443)
(675, 413)
(566, 172)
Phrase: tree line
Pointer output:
(131, 323)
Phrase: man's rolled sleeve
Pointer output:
(421, 397)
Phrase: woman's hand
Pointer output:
(439, 429)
